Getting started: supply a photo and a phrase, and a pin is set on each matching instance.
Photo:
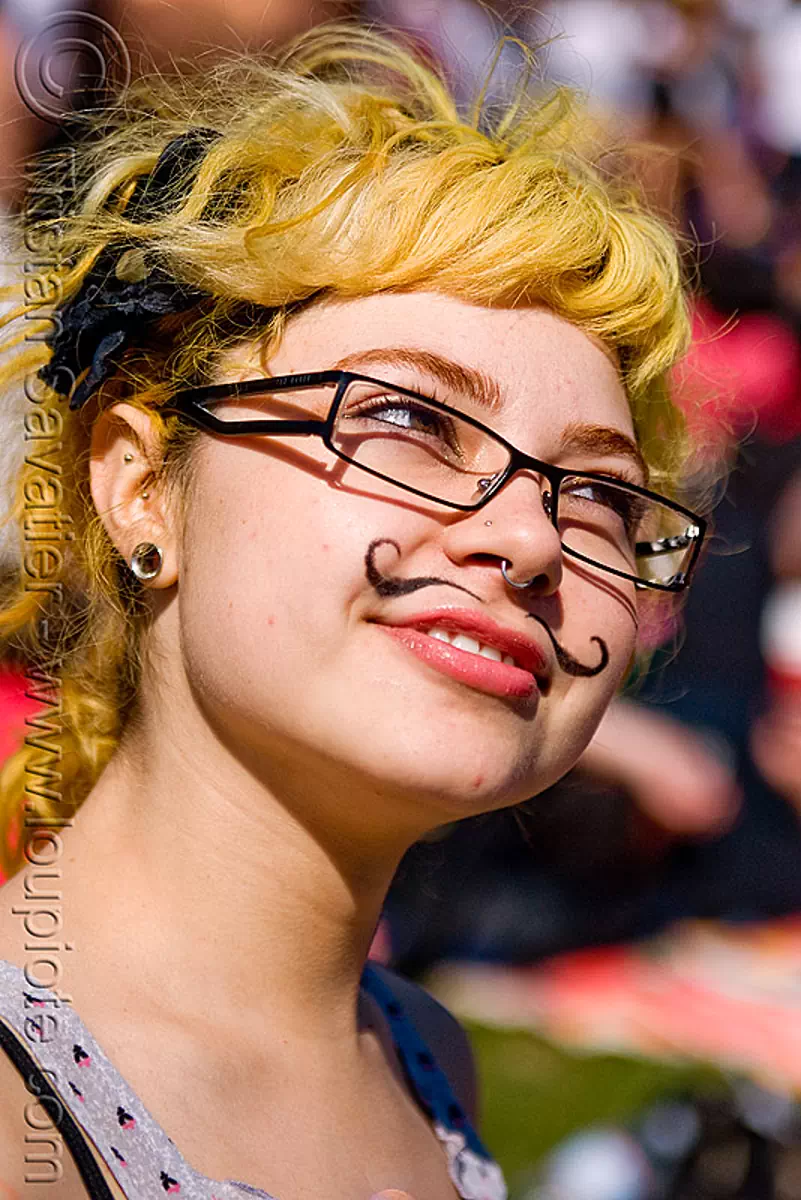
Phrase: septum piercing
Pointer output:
(504, 564)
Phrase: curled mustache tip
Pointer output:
(566, 661)
(393, 585)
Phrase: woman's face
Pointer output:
(296, 655)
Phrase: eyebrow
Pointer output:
(482, 389)
(602, 440)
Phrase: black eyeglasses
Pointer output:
(446, 455)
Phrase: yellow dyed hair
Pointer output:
(343, 169)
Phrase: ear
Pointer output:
(133, 507)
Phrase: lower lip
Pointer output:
(494, 678)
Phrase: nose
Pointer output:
(514, 528)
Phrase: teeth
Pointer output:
(463, 641)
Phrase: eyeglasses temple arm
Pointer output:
(207, 420)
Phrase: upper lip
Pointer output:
(526, 652)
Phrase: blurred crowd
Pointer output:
(688, 802)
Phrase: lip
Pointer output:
(499, 679)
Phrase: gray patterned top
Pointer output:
(142, 1158)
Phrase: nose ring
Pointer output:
(504, 564)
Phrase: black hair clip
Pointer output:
(120, 296)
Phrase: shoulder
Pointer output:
(442, 1033)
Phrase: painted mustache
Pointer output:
(394, 585)
(569, 664)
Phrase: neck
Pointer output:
(190, 881)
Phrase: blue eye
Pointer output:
(408, 416)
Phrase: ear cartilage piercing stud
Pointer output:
(127, 458)
(146, 561)
(511, 582)
(145, 495)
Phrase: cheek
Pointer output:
(605, 606)
(659, 621)
(623, 640)
(233, 576)
(272, 565)
(607, 616)
(580, 703)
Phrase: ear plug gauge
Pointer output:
(146, 561)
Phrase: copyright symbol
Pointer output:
(72, 58)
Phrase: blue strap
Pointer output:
(427, 1080)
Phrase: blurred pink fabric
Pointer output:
(740, 373)
(15, 706)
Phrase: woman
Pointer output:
(322, 340)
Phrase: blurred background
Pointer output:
(625, 949)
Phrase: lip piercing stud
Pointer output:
(511, 582)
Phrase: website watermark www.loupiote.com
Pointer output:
(66, 64)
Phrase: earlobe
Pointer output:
(125, 451)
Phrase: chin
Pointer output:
(480, 788)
